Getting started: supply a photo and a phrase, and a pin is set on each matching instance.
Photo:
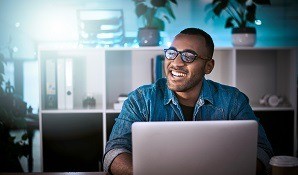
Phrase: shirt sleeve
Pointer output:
(120, 139)
(243, 111)
(110, 156)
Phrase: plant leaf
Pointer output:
(158, 23)
(242, 2)
(174, 1)
(25, 137)
(169, 10)
(141, 9)
(229, 22)
(1, 68)
(219, 7)
(167, 18)
(262, 2)
(251, 13)
(216, 1)
(158, 3)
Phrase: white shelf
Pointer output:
(108, 72)
(55, 111)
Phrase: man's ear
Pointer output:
(209, 66)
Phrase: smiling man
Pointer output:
(184, 95)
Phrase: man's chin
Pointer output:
(175, 88)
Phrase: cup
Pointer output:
(284, 165)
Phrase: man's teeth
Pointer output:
(178, 74)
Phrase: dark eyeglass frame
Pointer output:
(182, 53)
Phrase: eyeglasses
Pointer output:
(186, 56)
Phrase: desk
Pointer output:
(59, 173)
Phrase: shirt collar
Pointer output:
(206, 92)
(205, 95)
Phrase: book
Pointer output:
(69, 83)
(157, 68)
(121, 98)
(65, 83)
(50, 83)
(61, 83)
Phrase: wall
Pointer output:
(27, 23)
(30, 22)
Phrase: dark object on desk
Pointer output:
(72, 142)
(59, 173)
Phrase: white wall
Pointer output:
(55, 20)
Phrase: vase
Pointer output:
(244, 37)
(148, 37)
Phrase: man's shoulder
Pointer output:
(218, 85)
(156, 87)
(219, 88)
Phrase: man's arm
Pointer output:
(260, 168)
(243, 111)
(122, 165)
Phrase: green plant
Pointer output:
(2, 62)
(153, 14)
(240, 13)
(11, 118)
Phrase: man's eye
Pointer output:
(189, 55)
(172, 53)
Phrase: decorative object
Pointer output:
(152, 16)
(241, 14)
(271, 100)
(101, 27)
(89, 102)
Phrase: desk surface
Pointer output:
(59, 173)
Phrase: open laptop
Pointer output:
(196, 147)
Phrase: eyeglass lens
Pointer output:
(186, 56)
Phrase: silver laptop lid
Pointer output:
(197, 147)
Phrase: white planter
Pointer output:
(243, 37)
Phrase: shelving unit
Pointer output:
(105, 73)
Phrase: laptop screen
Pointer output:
(195, 147)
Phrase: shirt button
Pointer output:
(201, 102)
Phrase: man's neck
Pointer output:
(189, 97)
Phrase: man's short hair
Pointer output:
(200, 32)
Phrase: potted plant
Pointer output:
(12, 111)
(241, 15)
(152, 15)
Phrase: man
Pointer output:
(182, 96)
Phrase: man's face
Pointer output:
(182, 76)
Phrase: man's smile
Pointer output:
(178, 74)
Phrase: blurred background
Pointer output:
(26, 25)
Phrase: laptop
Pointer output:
(195, 147)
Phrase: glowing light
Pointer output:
(258, 22)
(169, 44)
(15, 49)
(17, 24)
(105, 35)
(107, 27)
(84, 34)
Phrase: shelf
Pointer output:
(56, 111)
(262, 108)
(105, 73)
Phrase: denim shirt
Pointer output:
(156, 102)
